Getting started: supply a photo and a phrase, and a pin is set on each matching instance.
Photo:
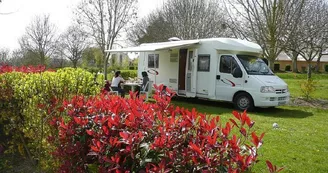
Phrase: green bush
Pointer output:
(129, 73)
(308, 87)
(326, 68)
(287, 68)
(93, 69)
(26, 103)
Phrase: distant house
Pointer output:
(284, 60)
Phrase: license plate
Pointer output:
(281, 103)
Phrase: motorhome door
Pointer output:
(191, 73)
(226, 84)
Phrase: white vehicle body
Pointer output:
(198, 68)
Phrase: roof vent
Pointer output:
(174, 39)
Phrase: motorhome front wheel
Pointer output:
(243, 101)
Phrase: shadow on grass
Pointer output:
(204, 106)
(281, 112)
(217, 108)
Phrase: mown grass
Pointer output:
(294, 81)
(299, 144)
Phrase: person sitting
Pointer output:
(107, 86)
(116, 83)
(143, 86)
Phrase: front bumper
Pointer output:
(271, 99)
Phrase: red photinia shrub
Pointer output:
(23, 69)
(129, 135)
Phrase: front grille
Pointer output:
(281, 91)
(282, 98)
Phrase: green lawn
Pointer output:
(300, 144)
(294, 82)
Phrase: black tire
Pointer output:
(243, 101)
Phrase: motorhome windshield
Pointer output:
(254, 65)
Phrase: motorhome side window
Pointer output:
(153, 60)
(227, 64)
(203, 63)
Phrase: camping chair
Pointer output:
(148, 85)
(112, 92)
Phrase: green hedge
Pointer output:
(25, 108)
(124, 73)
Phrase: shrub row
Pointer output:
(27, 95)
(91, 132)
(112, 134)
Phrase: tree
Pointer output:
(268, 22)
(312, 32)
(73, 43)
(104, 21)
(92, 57)
(4, 56)
(152, 28)
(186, 19)
(39, 38)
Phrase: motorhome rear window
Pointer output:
(153, 60)
(204, 63)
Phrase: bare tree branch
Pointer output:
(39, 37)
(72, 44)
(104, 20)
(268, 22)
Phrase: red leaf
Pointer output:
(236, 114)
(77, 120)
(249, 160)
(89, 132)
(195, 148)
(124, 135)
(280, 169)
(255, 139)
(270, 166)
(62, 124)
(95, 149)
(233, 122)
(105, 129)
(243, 131)
(261, 137)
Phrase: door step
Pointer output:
(182, 92)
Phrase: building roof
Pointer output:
(284, 57)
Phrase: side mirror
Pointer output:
(237, 73)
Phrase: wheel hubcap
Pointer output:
(243, 102)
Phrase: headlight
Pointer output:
(267, 89)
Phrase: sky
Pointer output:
(17, 14)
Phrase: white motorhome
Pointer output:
(223, 69)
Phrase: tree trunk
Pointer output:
(42, 58)
(318, 63)
(294, 61)
(106, 57)
(74, 64)
(271, 63)
(309, 71)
